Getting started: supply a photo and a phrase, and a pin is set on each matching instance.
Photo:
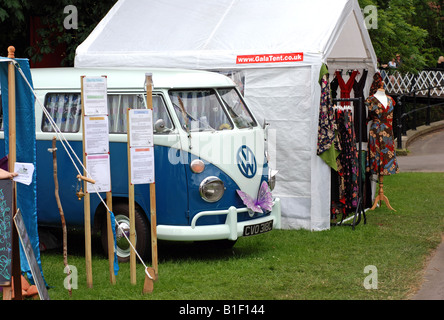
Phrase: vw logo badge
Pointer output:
(246, 161)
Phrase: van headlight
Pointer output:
(211, 189)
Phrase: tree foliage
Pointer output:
(89, 14)
(411, 28)
(13, 24)
(15, 18)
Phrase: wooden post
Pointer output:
(131, 207)
(86, 204)
(15, 291)
(153, 215)
(153, 229)
(148, 285)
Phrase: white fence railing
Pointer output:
(397, 83)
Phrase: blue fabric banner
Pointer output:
(25, 150)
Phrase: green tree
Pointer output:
(89, 14)
(15, 18)
(411, 28)
(397, 35)
(430, 16)
(13, 26)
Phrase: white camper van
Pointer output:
(210, 157)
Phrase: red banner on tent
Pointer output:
(270, 58)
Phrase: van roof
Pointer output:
(119, 78)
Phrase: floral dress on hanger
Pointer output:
(381, 156)
(347, 162)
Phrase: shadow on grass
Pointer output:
(51, 241)
(168, 251)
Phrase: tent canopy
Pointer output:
(273, 49)
(202, 34)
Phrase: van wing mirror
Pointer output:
(159, 126)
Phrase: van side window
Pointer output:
(65, 109)
(119, 103)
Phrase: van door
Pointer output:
(213, 136)
(170, 178)
(64, 107)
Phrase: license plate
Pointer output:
(258, 228)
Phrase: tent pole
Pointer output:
(16, 269)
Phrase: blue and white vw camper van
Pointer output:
(208, 145)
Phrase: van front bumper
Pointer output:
(231, 229)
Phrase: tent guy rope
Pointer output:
(65, 143)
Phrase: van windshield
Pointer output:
(200, 110)
(236, 108)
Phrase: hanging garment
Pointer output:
(334, 84)
(337, 208)
(327, 123)
(346, 88)
(381, 155)
(346, 198)
(360, 114)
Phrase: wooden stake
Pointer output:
(86, 179)
(86, 205)
(148, 285)
(62, 215)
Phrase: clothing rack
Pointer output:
(360, 206)
(343, 108)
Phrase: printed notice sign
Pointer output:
(96, 134)
(94, 95)
(99, 169)
(270, 58)
(142, 165)
(141, 127)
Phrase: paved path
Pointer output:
(433, 286)
(427, 155)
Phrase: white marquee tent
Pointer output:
(274, 48)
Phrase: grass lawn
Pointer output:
(285, 264)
